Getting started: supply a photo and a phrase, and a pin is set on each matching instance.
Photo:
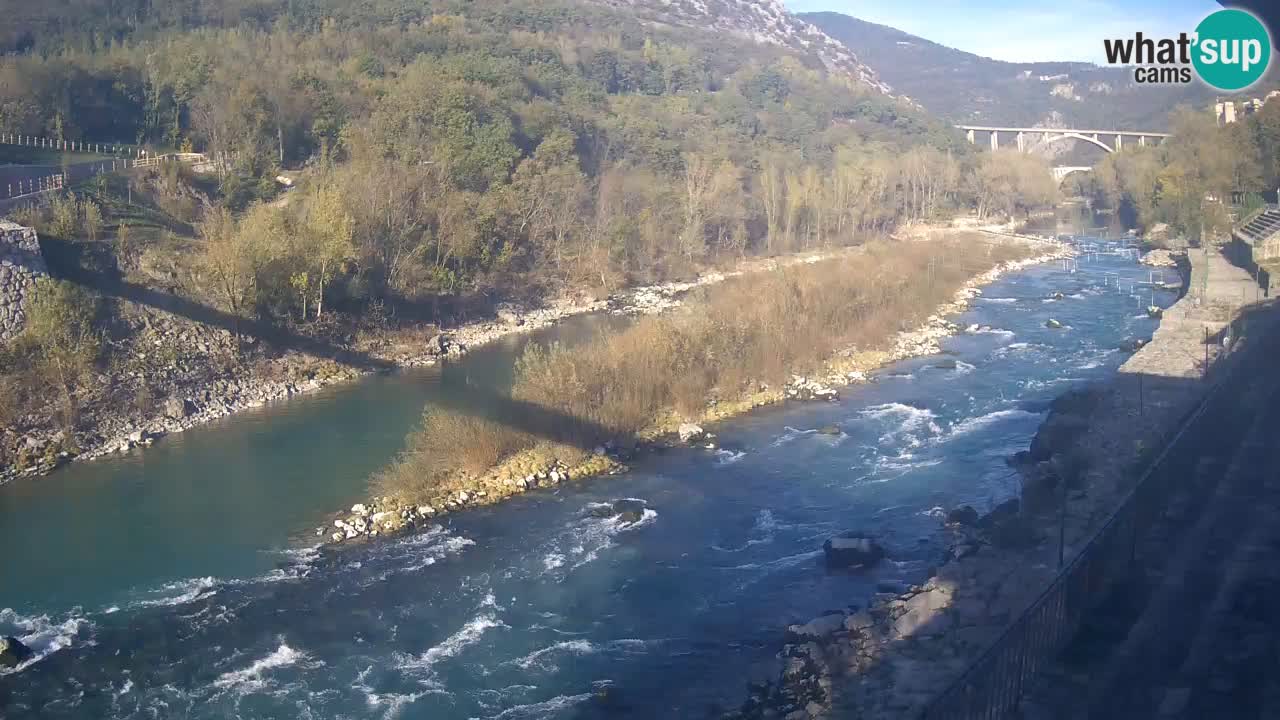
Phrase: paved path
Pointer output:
(1197, 634)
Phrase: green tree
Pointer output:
(60, 336)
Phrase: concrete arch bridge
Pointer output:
(1101, 138)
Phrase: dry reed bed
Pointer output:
(729, 349)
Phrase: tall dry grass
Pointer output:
(720, 346)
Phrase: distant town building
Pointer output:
(1226, 112)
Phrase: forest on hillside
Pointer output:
(1194, 182)
(450, 146)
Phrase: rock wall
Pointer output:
(20, 265)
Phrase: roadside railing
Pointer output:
(30, 186)
(80, 146)
(993, 685)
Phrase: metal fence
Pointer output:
(45, 143)
(993, 685)
(23, 187)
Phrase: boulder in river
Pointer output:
(963, 515)
(1068, 419)
(947, 364)
(1052, 324)
(626, 510)
(12, 652)
(690, 432)
(829, 430)
(1007, 527)
(852, 549)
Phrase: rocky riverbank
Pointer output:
(892, 658)
(175, 374)
(538, 468)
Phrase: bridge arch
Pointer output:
(1062, 172)
(1054, 137)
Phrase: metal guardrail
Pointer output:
(992, 686)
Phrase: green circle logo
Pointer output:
(1232, 49)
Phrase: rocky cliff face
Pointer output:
(21, 264)
(764, 21)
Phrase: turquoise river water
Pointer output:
(184, 581)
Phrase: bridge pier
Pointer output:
(995, 140)
(1022, 143)
(1142, 140)
(1119, 143)
(969, 134)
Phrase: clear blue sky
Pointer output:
(1024, 30)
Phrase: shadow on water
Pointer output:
(480, 399)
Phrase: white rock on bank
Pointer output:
(690, 432)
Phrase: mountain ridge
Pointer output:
(964, 87)
(764, 21)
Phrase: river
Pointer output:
(184, 581)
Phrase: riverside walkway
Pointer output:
(1195, 628)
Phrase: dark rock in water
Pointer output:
(1133, 345)
(1052, 324)
(1007, 527)
(1079, 401)
(1056, 296)
(628, 510)
(629, 505)
(1007, 509)
(963, 515)
(1041, 486)
(1020, 458)
(852, 549)
(1016, 532)
(945, 364)
(1068, 419)
(829, 430)
(12, 652)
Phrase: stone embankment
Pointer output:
(21, 264)
(531, 469)
(892, 658)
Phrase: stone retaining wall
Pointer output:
(20, 265)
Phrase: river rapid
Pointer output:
(185, 581)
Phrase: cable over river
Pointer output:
(184, 582)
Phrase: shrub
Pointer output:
(720, 346)
(59, 341)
